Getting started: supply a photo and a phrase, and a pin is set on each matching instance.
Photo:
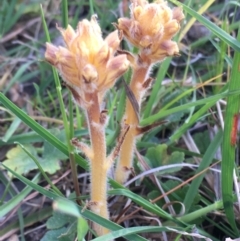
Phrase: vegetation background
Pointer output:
(187, 167)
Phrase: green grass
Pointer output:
(195, 98)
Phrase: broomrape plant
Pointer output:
(150, 29)
(90, 66)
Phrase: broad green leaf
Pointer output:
(202, 140)
(177, 195)
(70, 233)
(158, 156)
(19, 161)
(55, 235)
(58, 220)
(50, 151)
(50, 165)
(69, 211)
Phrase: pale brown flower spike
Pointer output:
(150, 28)
(89, 66)
(88, 62)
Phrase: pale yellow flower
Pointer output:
(88, 63)
(151, 28)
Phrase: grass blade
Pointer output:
(87, 214)
(229, 148)
(157, 85)
(206, 161)
(41, 170)
(234, 43)
(9, 205)
(13, 127)
(65, 13)
(45, 134)
(161, 114)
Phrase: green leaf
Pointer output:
(68, 208)
(50, 151)
(54, 235)
(202, 140)
(158, 156)
(82, 228)
(70, 233)
(50, 165)
(64, 227)
(58, 220)
(19, 161)
(177, 195)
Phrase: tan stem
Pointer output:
(126, 153)
(99, 167)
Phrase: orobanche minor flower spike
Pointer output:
(89, 66)
(150, 28)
